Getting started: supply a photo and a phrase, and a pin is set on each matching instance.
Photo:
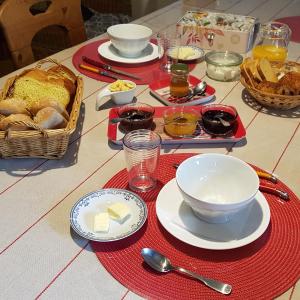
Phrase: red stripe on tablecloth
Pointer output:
(46, 213)
(61, 271)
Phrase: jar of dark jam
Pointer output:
(179, 85)
(136, 116)
(219, 119)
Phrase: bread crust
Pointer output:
(6, 123)
(13, 106)
(50, 118)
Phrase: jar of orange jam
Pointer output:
(272, 42)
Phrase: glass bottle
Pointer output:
(179, 85)
(272, 42)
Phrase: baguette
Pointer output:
(50, 118)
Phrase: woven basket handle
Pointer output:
(41, 62)
(27, 124)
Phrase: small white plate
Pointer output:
(178, 219)
(84, 210)
(198, 53)
(108, 51)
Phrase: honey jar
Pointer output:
(179, 85)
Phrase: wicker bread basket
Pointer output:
(283, 102)
(50, 143)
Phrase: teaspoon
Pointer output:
(162, 264)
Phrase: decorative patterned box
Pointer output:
(217, 31)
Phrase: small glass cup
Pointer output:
(142, 150)
(167, 41)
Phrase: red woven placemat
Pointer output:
(148, 72)
(293, 23)
(263, 269)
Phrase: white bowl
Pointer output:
(216, 186)
(129, 39)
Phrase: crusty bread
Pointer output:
(64, 72)
(7, 123)
(265, 70)
(36, 84)
(268, 87)
(246, 73)
(292, 81)
(50, 118)
(48, 102)
(13, 106)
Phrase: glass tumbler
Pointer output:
(142, 149)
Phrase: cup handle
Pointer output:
(102, 94)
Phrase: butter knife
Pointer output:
(283, 195)
(108, 68)
(97, 71)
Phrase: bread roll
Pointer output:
(7, 123)
(49, 102)
(291, 80)
(36, 84)
(50, 118)
(13, 106)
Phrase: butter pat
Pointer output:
(101, 222)
(119, 211)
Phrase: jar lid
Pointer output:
(179, 67)
(219, 58)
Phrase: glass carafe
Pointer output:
(272, 41)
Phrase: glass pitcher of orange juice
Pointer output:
(272, 41)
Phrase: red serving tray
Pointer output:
(115, 135)
(160, 89)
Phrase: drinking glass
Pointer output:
(142, 149)
(166, 43)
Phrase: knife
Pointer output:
(283, 195)
(97, 71)
(108, 68)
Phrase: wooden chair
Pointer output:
(20, 22)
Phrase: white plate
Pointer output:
(108, 51)
(198, 53)
(84, 210)
(178, 219)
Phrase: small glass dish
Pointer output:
(136, 116)
(181, 121)
(223, 66)
(218, 119)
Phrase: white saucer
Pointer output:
(178, 219)
(198, 53)
(84, 210)
(108, 51)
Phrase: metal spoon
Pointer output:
(162, 264)
(117, 120)
(199, 89)
(223, 122)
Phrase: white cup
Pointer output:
(118, 97)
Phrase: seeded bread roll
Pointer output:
(49, 102)
(6, 123)
(37, 84)
(50, 118)
(13, 106)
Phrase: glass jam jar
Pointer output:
(272, 41)
(179, 85)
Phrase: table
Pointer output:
(40, 257)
